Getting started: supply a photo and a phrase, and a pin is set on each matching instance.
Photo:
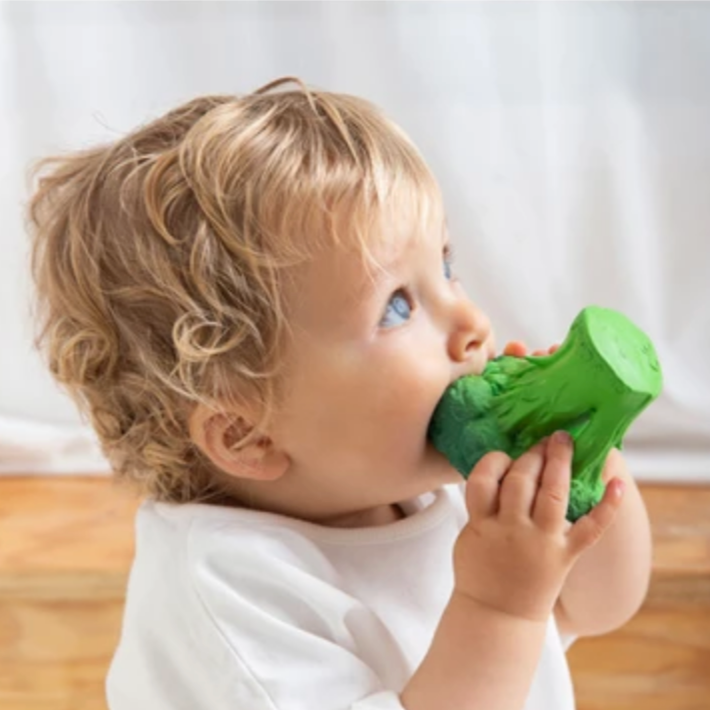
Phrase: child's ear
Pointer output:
(217, 435)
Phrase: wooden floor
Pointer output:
(660, 660)
(66, 545)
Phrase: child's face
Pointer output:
(368, 366)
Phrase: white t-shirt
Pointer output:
(232, 609)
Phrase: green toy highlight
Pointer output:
(604, 374)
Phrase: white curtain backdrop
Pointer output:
(572, 142)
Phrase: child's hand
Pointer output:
(517, 548)
(516, 348)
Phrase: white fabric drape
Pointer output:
(571, 141)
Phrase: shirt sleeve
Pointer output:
(289, 637)
(567, 640)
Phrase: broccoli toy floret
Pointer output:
(604, 374)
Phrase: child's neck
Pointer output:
(373, 517)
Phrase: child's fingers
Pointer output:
(516, 348)
(550, 351)
(483, 484)
(520, 484)
(552, 499)
(589, 529)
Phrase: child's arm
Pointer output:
(510, 562)
(608, 582)
(494, 672)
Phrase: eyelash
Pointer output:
(449, 257)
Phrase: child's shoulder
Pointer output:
(218, 560)
(199, 524)
(199, 537)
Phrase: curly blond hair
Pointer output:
(163, 261)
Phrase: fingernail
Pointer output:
(562, 437)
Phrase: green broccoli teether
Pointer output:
(604, 374)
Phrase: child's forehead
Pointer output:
(348, 269)
(361, 266)
(399, 240)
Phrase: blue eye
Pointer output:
(398, 310)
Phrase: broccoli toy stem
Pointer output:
(604, 374)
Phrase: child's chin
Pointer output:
(440, 467)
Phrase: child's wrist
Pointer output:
(473, 605)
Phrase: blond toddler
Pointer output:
(252, 299)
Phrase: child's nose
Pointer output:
(470, 329)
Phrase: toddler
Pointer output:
(252, 299)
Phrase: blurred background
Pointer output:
(571, 141)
